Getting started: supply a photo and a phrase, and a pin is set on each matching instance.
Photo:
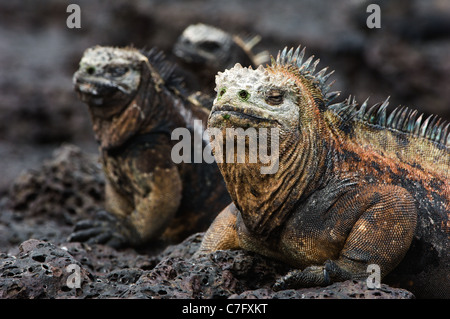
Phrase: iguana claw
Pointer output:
(104, 229)
(310, 277)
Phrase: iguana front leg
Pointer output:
(222, 234)
(143, 193)
(381, 235)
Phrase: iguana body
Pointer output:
(354, 186)
(135, 103)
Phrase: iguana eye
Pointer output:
(244, 95)
(274, 97)
(209, 46)
(117, 70)
(221, 92)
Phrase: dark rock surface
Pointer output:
(70, 184)
(42, 270)
(46, 202)
(350, 289)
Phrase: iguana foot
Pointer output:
(105, 229)
(312, 276)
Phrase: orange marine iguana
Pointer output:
(355, 185)
(136, 101)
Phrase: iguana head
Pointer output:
(254, 98)
(210, 47)
(108, 79)
(287, 96)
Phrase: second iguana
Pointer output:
(136, 102)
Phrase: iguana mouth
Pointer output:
(94, 91)
(238, 115)
(96, 87)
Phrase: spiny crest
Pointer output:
(248, 78)
(402, 119)
(247, 43)
(295, 59)
(165, 69)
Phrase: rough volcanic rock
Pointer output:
(46, 202)
(68, 185)
(350, 289)
(40, 270)
(216, 275)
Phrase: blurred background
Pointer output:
(408, 58)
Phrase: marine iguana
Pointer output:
(206, 50)
(356, 185)
(135, 102)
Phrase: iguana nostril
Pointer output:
(90, 70)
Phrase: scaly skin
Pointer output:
(135, 103)
(354, 186)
